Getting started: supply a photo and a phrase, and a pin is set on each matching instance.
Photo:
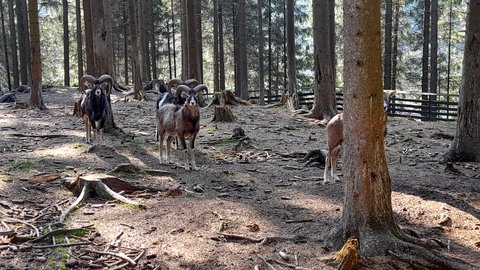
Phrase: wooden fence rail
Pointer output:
(422, 106)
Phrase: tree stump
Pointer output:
(226, 97)
(283, 101)
(223, 114)
(96, 185)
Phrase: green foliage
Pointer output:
(23, 165)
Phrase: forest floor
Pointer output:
(214, 218)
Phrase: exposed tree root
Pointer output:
(348, 257)
(92, 184)
(317, 155)
(404, 248)
(226, 97)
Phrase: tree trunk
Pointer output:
(242, 51)
(198, 40)
(293, 102)
(139, 93)
(387, 62)
(5, 48)
(88, 20)
(185, 40)
(261, 74)
(36, 100)
(23, 42)
(173, 43)
(78, 17)
(433, 47)
(13, 43)
(216, 79)
(285, 56)
(169, 50)
(142, 45)
(333, 37)
(467, 137)
(221, 49)
(395, 44)
(102, 48)
(153, 46)
(324, 105)
(125, 42)
(367, 209)
(270, 60)
(425, 54)
(66, 45)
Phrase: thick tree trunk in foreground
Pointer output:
(467, 138)
(367, 209)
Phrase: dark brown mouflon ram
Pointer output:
(179, 120)
(95, 104)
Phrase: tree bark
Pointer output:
(185, 40)
(221, 49)
(396, 21)
(78, 17)
(23, 42)
(199, 40)
(13, 43)
(66, 45)
(36, 100)
(87, 18)
(293, 102)
(216, 79)
(425, 54)
(173, 43)
(261, 74)
(125, 41)
(270, 60)
(139, 93)
(467, 137)
(241, 43)
(387, 62)
(324, 104)
(434, 47)
(5, 48)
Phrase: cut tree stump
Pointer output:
(99, 185)
(283, 101)
(226, 97)
(223, 114)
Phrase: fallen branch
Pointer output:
(59, 231)
(62, 245)
(270, 266)
(135, 259)
(120, 255)
(38, 135)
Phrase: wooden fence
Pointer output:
(422, 106)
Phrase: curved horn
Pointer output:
(182, 88)
(86, 78)
(172, 83)
(201, 87)
(105, 78)
(191, 83)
